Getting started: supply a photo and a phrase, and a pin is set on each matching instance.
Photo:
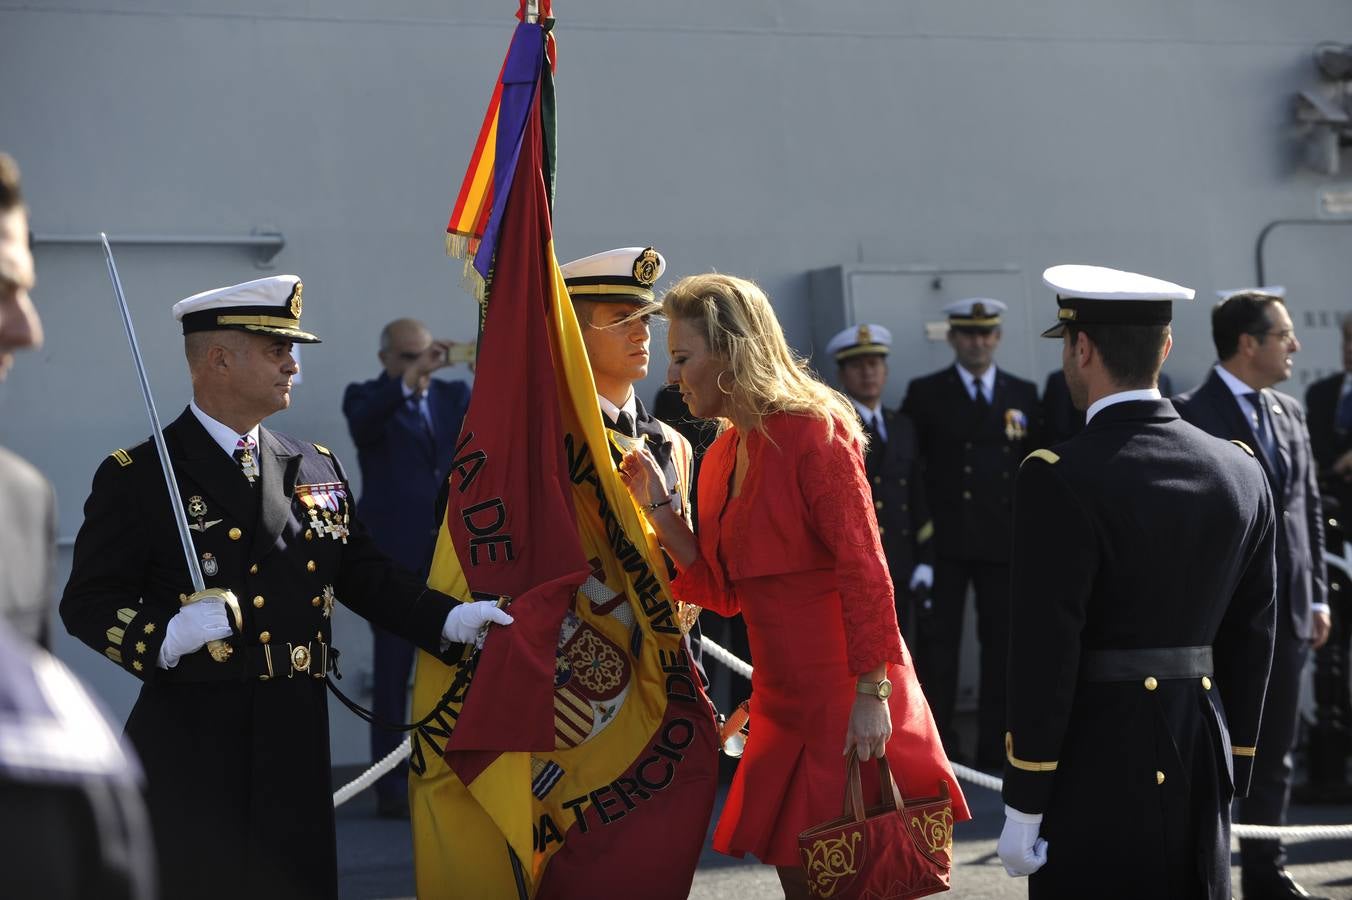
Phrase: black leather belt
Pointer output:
(1151, 662)
(264, 662)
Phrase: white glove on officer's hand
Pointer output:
(467, 621)
(922, 574)
(1020, 849)
(190, 629)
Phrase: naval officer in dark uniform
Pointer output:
(1256, 342)
(892, 464)
(975, 422)
(1142, 620)
(231, 723)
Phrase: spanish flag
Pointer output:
(575, 754)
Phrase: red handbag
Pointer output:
(895, 850)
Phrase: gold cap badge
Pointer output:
(645, 267)
(295, 301)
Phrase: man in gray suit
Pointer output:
(1255, 342)
(70, 803)
(27, 510)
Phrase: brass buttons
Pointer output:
(877, 504)
(310, 566)
(877, 479)
(1159, 777)
(1206, 683)
(1151, 683)
(253, 570)
(236, 534)
(309, 535)
(315, 601)
(881, 531)
(264, 638)
(967, 495)
(258, 602)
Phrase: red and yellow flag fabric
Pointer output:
(575, 755)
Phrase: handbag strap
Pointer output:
(854, 789)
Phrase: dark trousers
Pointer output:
(939, 633)
(392, 661)
(1270, 786)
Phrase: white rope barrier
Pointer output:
(372, 775)
(1293, 833)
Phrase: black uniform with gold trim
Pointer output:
(236, 753)
(1141, 533)
(895, 476)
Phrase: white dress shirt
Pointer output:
(225, 436)
(874, 414)
(1120, 397)
(423, 408)
(613, 412)
(970, 381)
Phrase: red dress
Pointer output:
(797, 554)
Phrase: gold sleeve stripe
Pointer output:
(115, 635)
(122, 456)
(324, 450)
(1046, 456)
(1243, 751)
(125, 615)
(925, 533)
(1243, 446)
(114, 654)
(1023, 764)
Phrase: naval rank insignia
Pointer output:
(209, 565)
(197, 507)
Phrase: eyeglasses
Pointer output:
(1286, 334)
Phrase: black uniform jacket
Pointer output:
(971, 458)
(896, 477)
(1321, 407)
(1301, 581)
(1141, 532)
(238, 767)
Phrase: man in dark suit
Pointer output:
(405, 424)
(975, 422)
(70, 796)
(1328, 406)
(1255, 342)
(231, 723)
(1142, 620)
(892, 464)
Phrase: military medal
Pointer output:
(1016, 424)
(209, 565)
(326, 506)
(328, 599)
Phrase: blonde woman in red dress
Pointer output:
(787, 537)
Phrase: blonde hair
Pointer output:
(735, 318)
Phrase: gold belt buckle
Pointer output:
(300, 659)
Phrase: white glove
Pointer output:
(190, 629)
(1020, 849)
(922, 574)
(468, 622)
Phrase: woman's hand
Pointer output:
(643, 476)
(870, 727)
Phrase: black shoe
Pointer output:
(1274, 884)
(392, 807)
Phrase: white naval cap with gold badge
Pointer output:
(625, 275)
(264, 306)
(1096, 295)
(975, 313)
(1271, 290)
(860, 340)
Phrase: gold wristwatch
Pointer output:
(880, 689)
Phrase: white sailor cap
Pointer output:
(625, 275)
(1095, 295)
(975, 313)
(860, 340)
(1271, 290)
(264, 306)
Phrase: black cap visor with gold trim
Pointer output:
(254, 319)
(1090, 311)
(859, 350)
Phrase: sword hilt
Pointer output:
(220, 650)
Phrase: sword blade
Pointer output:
(175, 500)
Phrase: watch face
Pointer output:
(884, 689)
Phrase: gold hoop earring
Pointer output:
(719, 381)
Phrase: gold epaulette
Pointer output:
(1046, 456)
(1023, 764)
(122, 456)
(1243, 446)
(324, 450)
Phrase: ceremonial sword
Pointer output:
(220, 650)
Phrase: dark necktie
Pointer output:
(415, 401)
(1342, 420)
(245, 450)
(871, 428)
(624, 424)
(1262, 430)
(982, 404)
